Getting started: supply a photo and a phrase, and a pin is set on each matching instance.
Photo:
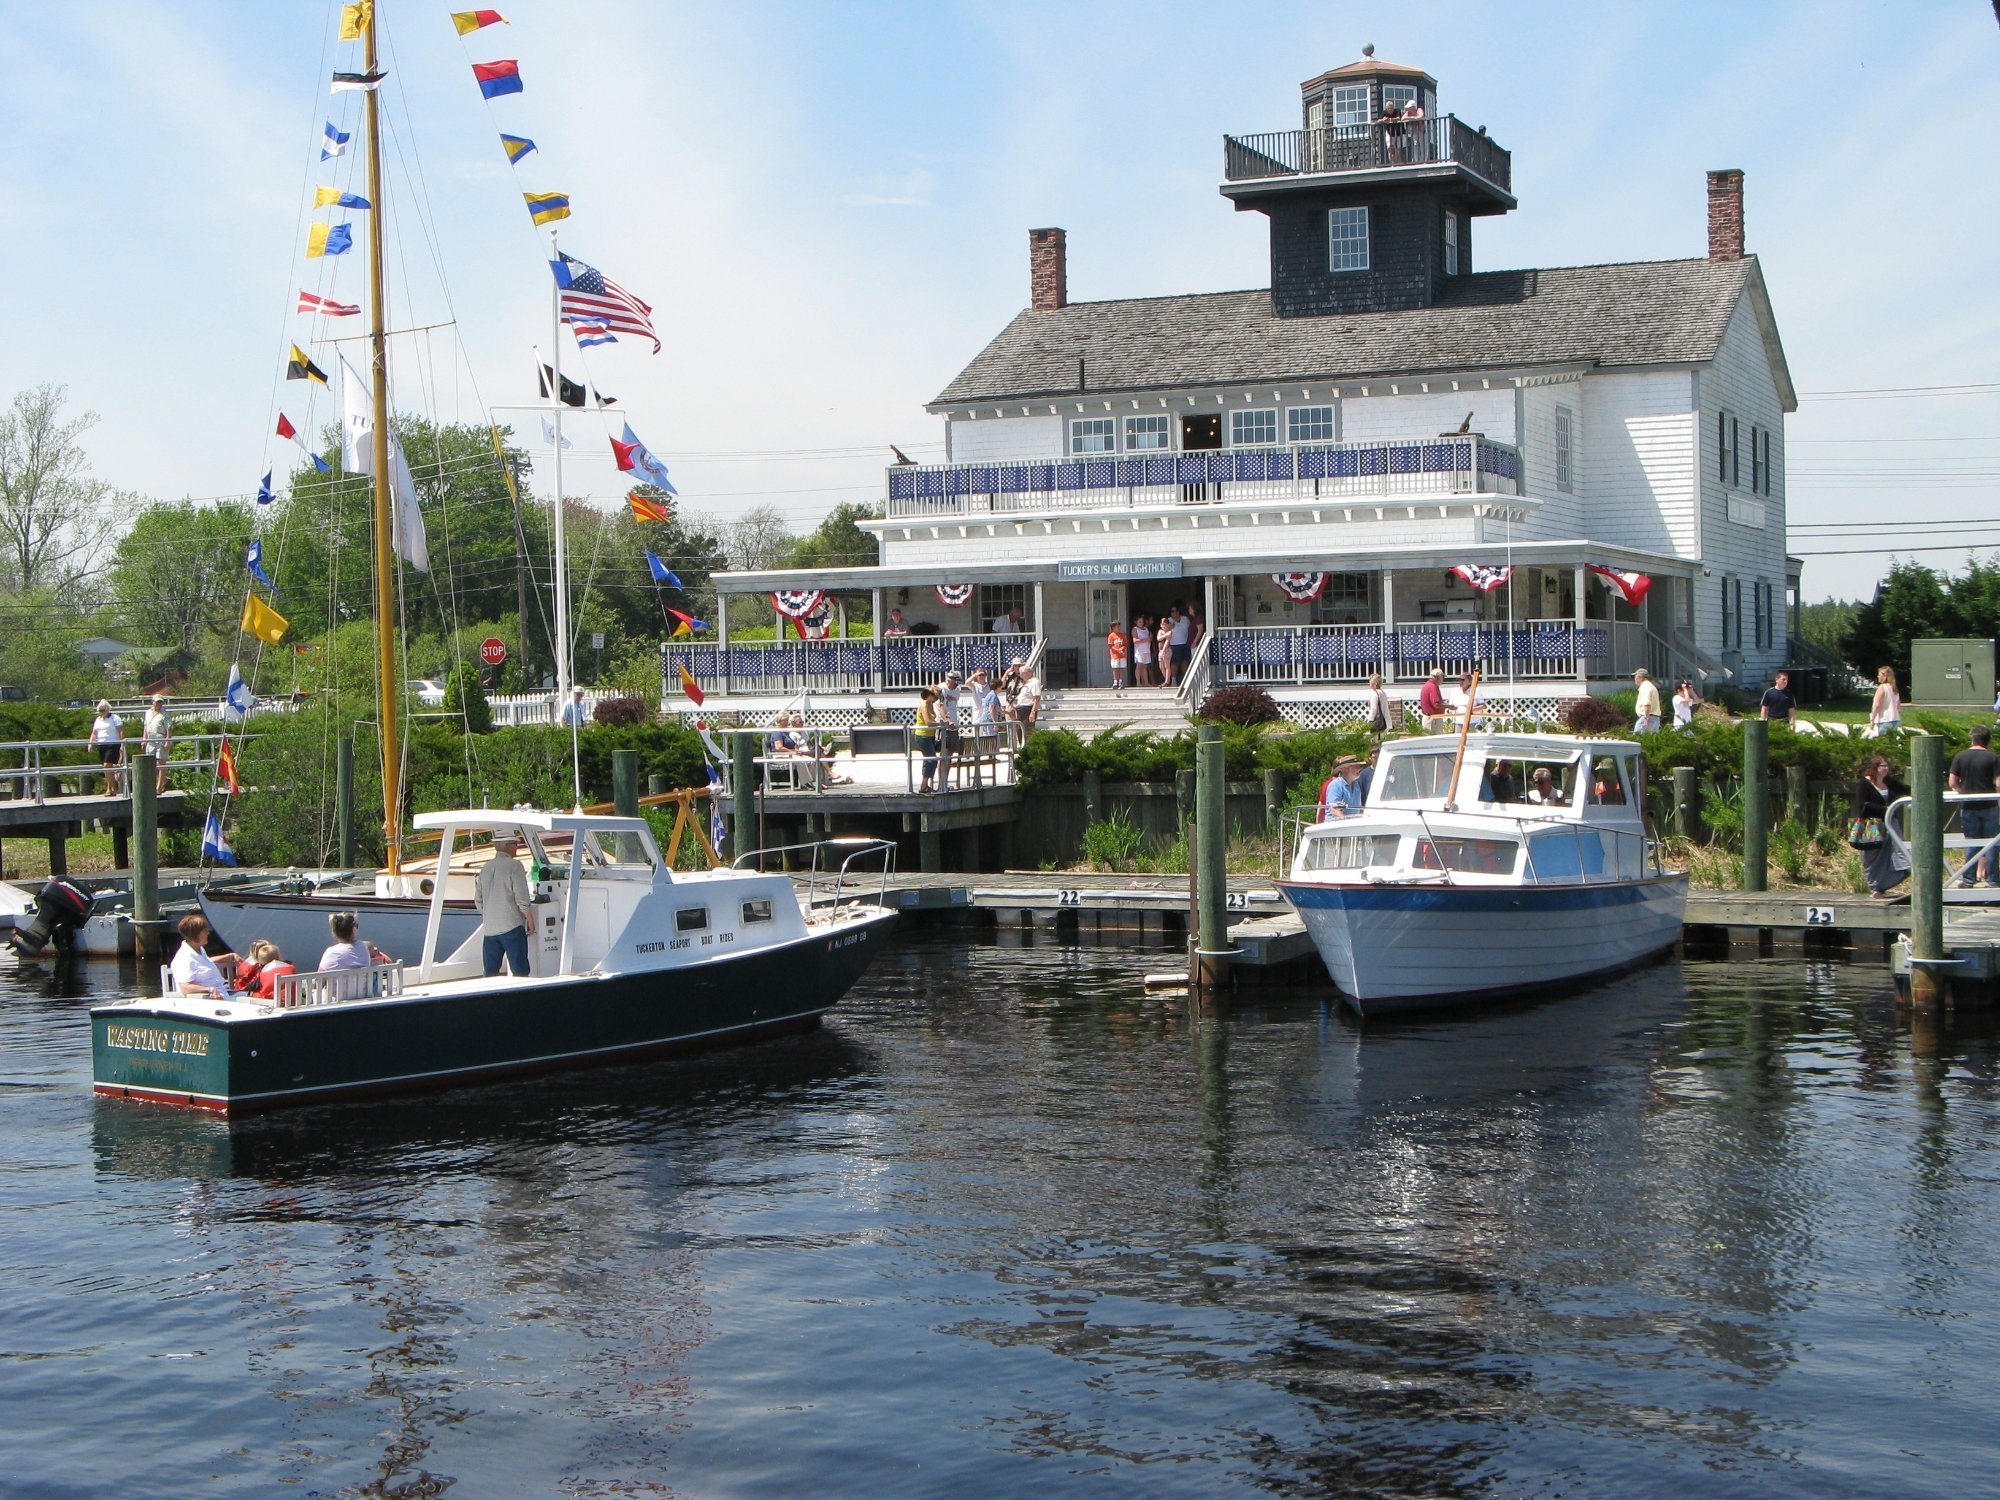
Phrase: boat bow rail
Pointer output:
(830, 886)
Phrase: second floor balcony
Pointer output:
(1468, 465)
(1385, 150)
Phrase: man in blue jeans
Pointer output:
(506, 908)
(1973, 770)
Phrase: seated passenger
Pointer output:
(259, 977)
(193, 971)
(1500, 784)
(349, 949)
(1542, 789)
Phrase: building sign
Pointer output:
(1119, 569)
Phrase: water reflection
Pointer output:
(1011, 1221)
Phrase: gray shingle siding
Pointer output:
(1637, 313)
(1405, 247)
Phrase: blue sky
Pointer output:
(828, 205)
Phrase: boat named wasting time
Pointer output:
(1484, 866)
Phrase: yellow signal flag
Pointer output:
(546, 208)
(356, 19)
(264, 622)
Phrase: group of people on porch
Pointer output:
(1158, 650)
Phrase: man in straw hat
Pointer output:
(1341, 796)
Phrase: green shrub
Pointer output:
(1112, 842)
(465, 697)
(1791, 849)
(1051, 757)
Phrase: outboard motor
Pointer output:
(61, 909)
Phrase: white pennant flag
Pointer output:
(357, 455)
(549, 433)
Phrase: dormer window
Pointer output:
(1347, 239)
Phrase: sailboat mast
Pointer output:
(385, 552)
(565, 668)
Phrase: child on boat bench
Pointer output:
(258, 978)
(349, 950)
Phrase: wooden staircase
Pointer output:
(1090, 711)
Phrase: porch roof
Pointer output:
(1206, 564)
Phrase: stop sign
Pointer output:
(493, 651)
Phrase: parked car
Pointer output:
(428, 694)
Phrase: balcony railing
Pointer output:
(781, 668)
(1364, 148)
(1306, 471)
(1353, 653)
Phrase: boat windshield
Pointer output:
(1414, 777)
(1350, 851)
(618, 856)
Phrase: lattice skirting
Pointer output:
(1546, 708)
(837, 717)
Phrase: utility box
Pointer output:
(1951, 674)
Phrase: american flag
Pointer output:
(589, 297)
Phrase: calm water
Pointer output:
(1008, 1226)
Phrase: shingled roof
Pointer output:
(1637, 313)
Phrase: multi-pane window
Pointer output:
(1565, 450)
(1250, 427)
(1347, 239)
(1146, 434)
(1350, 105)
(1344, 600)
(1760, 460)
(999, 599)
(1450, 243)
(1309, 424)
(1402, 95)
(1728, 448)
(1093, 435)
(1732, 614)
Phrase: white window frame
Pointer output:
(1345, 593)
(1238, 420)
(1565, 450)
(1404, 94)
(997, 599)
(1302, 416)
(1158, 425)
(1347, 110)
(1109, 434)
(1338, 219)
(1450, 243)
(1756, 459)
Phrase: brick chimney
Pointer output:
(1725, 214)
(1048, 269)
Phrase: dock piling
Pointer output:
(146, 857)
(743, 790)
(1756, 805)
(1927, 982)
(1687, 803)
(625, 783)
(1208, 851)
(1274, 798)
(1798, 799)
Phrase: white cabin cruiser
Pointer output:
(1486, 866)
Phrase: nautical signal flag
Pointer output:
(286, 429)
(469, 21)
(264, 494)
(645, 508)
(635, 458)
(310, 302)
(497, 78)
(546, 208)
(334, 142)
(516, 146)
(213, 844)
(329, 239)
(685, 624)
(255, 563)
(660, 571)
(354, 19)
(689, 686)
(264, 622)
(333, 197)
(225, 770)
(301, 368)
(590, 334)
(237, 699)
(367, 83)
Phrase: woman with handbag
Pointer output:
(1881, 865)
(1375, 706)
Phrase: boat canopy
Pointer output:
(502, 820)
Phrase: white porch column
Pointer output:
(722, 635)
(877, 656)
(1388, 624)
(1042, 630)
(1582, 663)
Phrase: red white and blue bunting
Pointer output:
(796, 604)
(1482, 576)
(1632, 585)
(956, 595)
(1301, 588)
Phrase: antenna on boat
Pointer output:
(385, 551)
(564, 672)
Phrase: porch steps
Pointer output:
(1090, 711)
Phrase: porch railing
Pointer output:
(1304, 654)
(1305, 471)
(1367, 147)
(901, 664)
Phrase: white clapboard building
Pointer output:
(1307, 464)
